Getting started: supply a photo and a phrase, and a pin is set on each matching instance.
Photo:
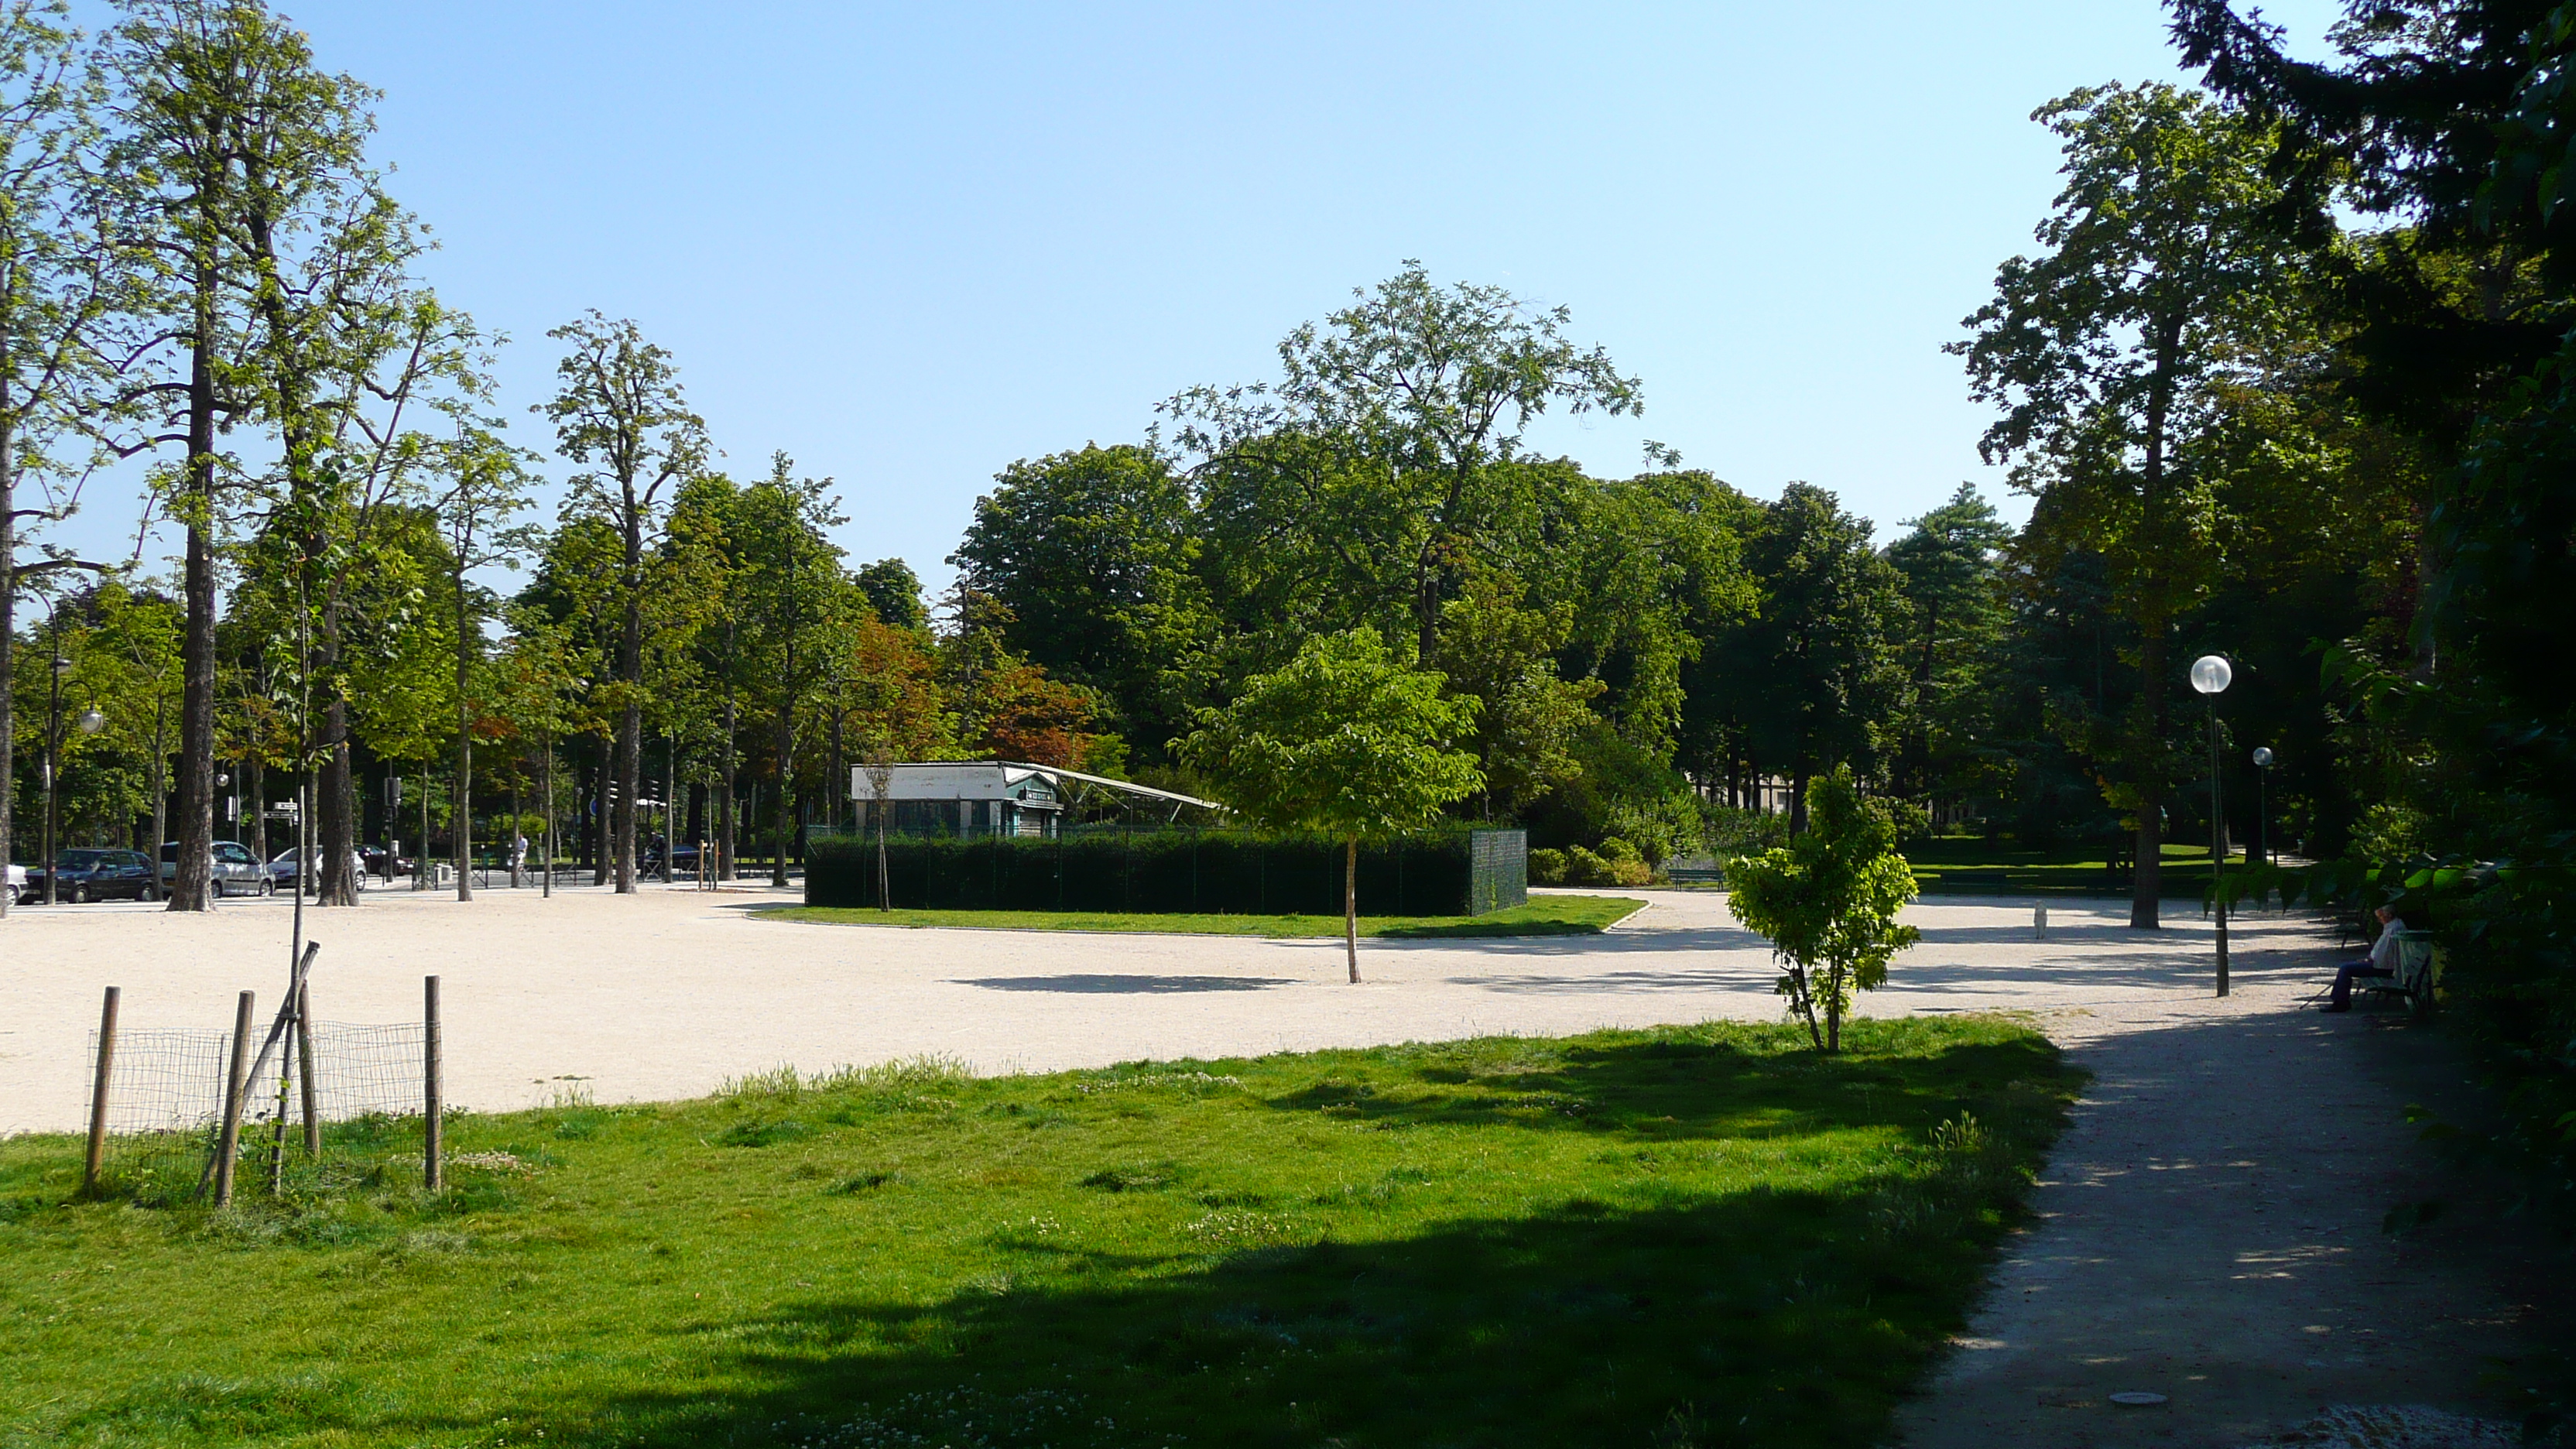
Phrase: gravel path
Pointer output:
(2209, 1229)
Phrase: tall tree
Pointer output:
(620, 414)
(1094, 553)
(2163, 287)
(65, 268)
(798, 573)
(1388, 426)
(1814, 671)
(893, 591)
(285, 271)
(1951, 572)
(483, 483)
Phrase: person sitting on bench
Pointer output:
(2382, 960)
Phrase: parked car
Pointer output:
(648, 860)
(14, 881)
(281, 871)
(237, 871)
(98, 875)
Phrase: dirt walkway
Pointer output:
(2211, 1229)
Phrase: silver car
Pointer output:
(237, 871)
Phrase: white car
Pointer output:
(19, 894)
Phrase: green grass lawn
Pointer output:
(1690, 1236)
(1543, 916)
(1969, 865)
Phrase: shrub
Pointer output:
(1547, 867)
(1617, 863)
(1583, 868)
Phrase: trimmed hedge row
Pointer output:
(1169, 872)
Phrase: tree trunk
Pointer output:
(161, 775)
(725, 813)
(2146, 885)
(460, 830)
(464, 831)
(600, 814)
(339, 812)
(836, 774)
(8, 631)
(630, 719)
(1351, 904)
(2146, 765)
(192, 882)
(784, 811)
(548, 785)
(255, 786)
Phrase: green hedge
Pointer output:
(1159, 872)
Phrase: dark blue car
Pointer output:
(98, 875)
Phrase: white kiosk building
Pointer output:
(991, 797)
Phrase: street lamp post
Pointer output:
(2210, 675)
(2263, 804)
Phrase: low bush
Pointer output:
(1617, 863)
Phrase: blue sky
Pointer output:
(911, 244)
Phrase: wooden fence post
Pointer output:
(98, 1093)
(229, 1143)
(432, 1172)
(304, 1053)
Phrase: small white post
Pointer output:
(2039, 922)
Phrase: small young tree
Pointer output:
(1827, 901)
(1345, 739)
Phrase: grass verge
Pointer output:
(1688, 1236)
(1543, 916)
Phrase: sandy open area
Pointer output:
(2209, 1228)
(667, 993)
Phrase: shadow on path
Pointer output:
(2211, 1228)
(1099, 985)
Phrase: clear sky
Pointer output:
(910, 244)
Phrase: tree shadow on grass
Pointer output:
(1645, 1310)
(1677, 1089)
(1756, 1318)
(1696, 1286)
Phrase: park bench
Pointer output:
(2418, 968)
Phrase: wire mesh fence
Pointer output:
(165, 1098)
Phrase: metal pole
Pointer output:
(2217, 847)
(2263, 816)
